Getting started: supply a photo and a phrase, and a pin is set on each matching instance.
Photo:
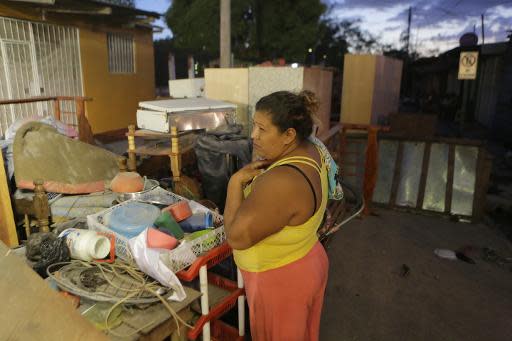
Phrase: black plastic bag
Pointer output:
(220, 153)
(51, 251)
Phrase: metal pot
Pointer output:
(149, 184)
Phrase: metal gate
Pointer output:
(38, 59)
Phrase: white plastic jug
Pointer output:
(86, 244)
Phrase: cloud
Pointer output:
(436, 24)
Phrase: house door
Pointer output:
(20, 77)
(38, 59)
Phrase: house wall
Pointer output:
(488, 89)
(115, 97)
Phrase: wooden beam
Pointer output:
(7, 226)
(97, 11)
(43, 99)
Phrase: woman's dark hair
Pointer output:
(290, 110)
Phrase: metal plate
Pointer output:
(410, 172)
(386, 169)
(464, 177)
(435, 188)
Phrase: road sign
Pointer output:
(468, 62)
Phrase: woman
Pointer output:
(271, 218)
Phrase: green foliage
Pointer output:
(195, 25)
(260, 29)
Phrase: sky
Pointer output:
(436, 25)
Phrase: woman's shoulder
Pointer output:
(307, 152)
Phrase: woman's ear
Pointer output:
(290, 135)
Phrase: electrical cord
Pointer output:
(117, 270)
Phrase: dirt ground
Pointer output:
(369, 298)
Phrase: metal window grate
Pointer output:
(38, 59)
(120, 53)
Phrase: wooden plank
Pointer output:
(423, 176)
(168, 328)
(7, 225)
(358, 87)
(432, 139)
(156, 134)
(155, 322)
(396, 174)
(43, 99)
(319, 81)
(449, 179)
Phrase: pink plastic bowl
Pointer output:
(160, 240)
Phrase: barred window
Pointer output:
(120, 53)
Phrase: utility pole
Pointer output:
(225, 33)
(408, 29)
(483, 29)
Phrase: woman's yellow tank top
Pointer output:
(292, 242)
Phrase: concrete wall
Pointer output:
(115, 96)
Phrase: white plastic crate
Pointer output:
(176, 259)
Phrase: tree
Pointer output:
(260, 29)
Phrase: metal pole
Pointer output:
(409, 28)
(205, 308)
(483, 29)
(225, 33)
(241, 305)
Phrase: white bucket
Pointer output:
(86, 244)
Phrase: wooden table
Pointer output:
(157, 321)
(173, 145)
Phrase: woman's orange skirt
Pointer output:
(286, 303)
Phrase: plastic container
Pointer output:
(167, 222)
(178, 258)
(197, 222)
(159, 240)
(131, 219)
(86, 244)
(180, 210)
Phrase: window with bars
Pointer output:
(120, 53)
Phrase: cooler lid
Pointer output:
(186, 104)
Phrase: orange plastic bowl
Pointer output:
(180, 210)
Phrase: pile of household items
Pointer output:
(104, 234)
